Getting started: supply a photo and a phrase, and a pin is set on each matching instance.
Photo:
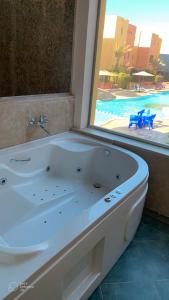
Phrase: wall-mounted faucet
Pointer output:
(39, 122)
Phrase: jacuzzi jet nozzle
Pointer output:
(97, 185)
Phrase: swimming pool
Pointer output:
(122, 108)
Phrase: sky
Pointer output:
(148, 15)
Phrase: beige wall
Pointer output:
(121, 36)
(15, 113)
(111, 44)
(107, 54)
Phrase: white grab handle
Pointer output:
(26, 250)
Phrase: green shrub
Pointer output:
(124, 79)
(158, 78)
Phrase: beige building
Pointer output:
(114, 40)
(124, 45)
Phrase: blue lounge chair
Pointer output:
(148, 121)
(135, 120)
(141, 112)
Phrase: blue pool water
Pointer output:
(123, 108)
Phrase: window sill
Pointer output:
(122, 141)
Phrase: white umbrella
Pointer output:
(107, 73)
(143, 73)
(104, 73)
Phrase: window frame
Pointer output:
(83, 79)
(93, 86)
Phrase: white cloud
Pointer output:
(143, 38)
(160, 28)
(109, 26)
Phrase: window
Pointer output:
(131, 73)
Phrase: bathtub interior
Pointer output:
(53, 184)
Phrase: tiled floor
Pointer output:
(142, 272)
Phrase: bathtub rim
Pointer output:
(52, 140)
(142, 168)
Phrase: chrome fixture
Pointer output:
(42, 120)
(20, 160)
(39, 122)
(32, 122)
(44, 129)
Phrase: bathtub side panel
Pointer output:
(79, 271)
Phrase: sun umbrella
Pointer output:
(104, 73)
(107, 73)
(143, 74)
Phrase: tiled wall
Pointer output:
(15, 113)
(35, 46)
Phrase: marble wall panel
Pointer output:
(35, 46)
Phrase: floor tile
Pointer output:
(130, 291)
(163, 289)
(152, 231)
(133, 265)
(142, 272)
(155, 259)
(97, 295)
(155, 223)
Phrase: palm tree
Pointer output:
(156, 63)
(119, 53)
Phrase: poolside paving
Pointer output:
(142, 272)
(159, 134)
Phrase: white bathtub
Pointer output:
(70, 206)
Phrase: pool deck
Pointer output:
(159, 134)
(120, 93)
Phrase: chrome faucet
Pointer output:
(32, 122)
(42, 120)
(39, 122)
